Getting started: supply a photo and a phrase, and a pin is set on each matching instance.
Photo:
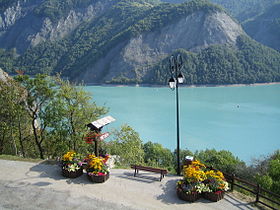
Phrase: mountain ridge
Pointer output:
(130, 38)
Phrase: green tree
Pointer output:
(128, 145)
(269, 176)
(222, 160)
(40, 90)
(70, 111)
(157, 155)
(13, 118)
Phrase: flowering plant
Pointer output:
(191, 188)
(198, 179)
(216, 181)
(97, 165)
(71, 161)
(194, 176)
(194, 172)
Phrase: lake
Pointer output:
(244, 119)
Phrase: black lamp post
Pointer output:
(176, 79)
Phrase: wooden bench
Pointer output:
(151, 169)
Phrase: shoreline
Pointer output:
(183, 86)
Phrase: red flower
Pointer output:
(101, 174)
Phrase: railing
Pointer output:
(254, 189)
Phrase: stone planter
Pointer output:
(188, 197)
(214, 196)
(98, 179)
(72, 174)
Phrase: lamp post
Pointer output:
(176, 79)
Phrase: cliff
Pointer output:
(25, 24)
(265, 28)
(132, 58)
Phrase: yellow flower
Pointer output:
(193, 173)
(95, 163)
(69, 156)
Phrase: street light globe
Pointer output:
(172, 83)
(180, 78)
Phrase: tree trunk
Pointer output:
(14, 143)
(38, 143)
(21, 140)
(73, 134)
(20, 137)
(2, 142)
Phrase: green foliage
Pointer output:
(93, 40)
(13, 118)
(56, 9)
(68, 114)
(156, 155)
(40, 91)
(267, 172)
(251, 62)
(7, 59)
(265, 27)
(222, 160)
(241, 9)
(128, 145)
(44, 116)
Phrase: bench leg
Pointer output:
(135, 172)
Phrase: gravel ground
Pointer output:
(25, 185)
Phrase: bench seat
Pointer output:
(162, 172)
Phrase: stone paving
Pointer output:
(25, 185)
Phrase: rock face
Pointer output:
(21, 28)
(4, 77)
(133, 57)
(265, 28)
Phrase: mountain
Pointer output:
(259, 18)
(25, 24)
(265, 28)
(240, 9)
(129, 41)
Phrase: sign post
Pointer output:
(96, 134)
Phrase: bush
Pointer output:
(128, 145)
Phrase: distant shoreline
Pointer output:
(183, 86)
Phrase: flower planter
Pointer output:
(214, 196)
(98, 179)
(187, 197)
(72, 174)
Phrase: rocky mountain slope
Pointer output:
(28, 23)
(128, 41)
(4, 77)
(133, 57)
(240, 9)
(265, 28)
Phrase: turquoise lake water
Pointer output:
(244, 120)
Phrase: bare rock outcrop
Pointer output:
(21, 27)
(194, 32)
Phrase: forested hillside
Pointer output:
(125, 41)
(265, 28)
(240, 9)
(259, 18)
(251, 62)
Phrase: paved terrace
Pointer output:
(25, 185)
